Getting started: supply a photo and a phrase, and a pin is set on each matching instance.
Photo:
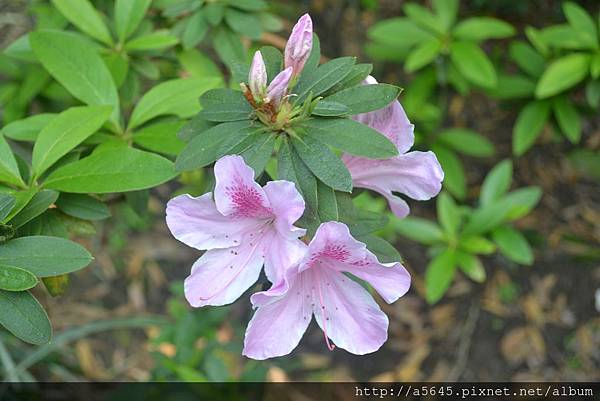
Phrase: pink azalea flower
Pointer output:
(244, 227)
(344, 310)
(415, 174)
(278, 88)
(299, 45)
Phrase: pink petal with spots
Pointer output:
(236, 192)
(281, 255)
(287, 206)
(197, 222)
(221, 276)
(277, 326)
(349, 316)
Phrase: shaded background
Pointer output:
(524, 323)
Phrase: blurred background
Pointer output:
(522, 311)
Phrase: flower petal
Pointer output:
(281, 255)
(236, 192)
(257, 77)
(299, 45)
(279, 323)
(221, 276)
(197, 222)
(415, 174)
(349, 316)
(287, 206)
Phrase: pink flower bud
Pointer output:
(278, 87)
(257, 77)
(299, 45)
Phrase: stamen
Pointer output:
(330, 346)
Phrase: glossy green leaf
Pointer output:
(351, 137)
(530, 122)
(9, 171)
(424, 54)
(527, 58)
(476, 244)
(520, 202)
(24, 317)
(398, 32)
(177, 96)
(28, 128)
(16, 279)
(39, 203)
(496, 183)
(7, 203)
(44, 256)
(472, 62)
(365, 98)
(439, 275)
(482, 28)
(583, 24)
(568, 118)
(117, 169)
(161, 137)
(84, 16)
(82, 206)
(77, 67)
(128, 15)
(446, 11)
(69, 129)
(324, 164)
(513, 245)
(562, 74)
(471, 266)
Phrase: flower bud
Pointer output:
(257, 77)
(278, 87)
(299, 45)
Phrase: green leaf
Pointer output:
(114, 169)
(563, 36)
(9, 171)
(156, 40)
(7, 203)
(439, 275)
(592, 93)
(328, 207)
(485, 218)
(425, 53)
(44, 256)
(326, 108)
(568, 118)
(22, 198)
(420, 230)
(259, 153)
(385, 252)
(467, 142)
(350, 136)
(477, 245)
(198, 64)
(69, 129)
(28, 128)
(449, 214)
(128, 15)
(365, 98)
(214, 13)
(581, 22)
(250, 5)
(528, 60)
(471, 266)
(196, 29)
(39, 203)
(323, 77)
(357, 75)
(273, 60)
(472, 62)
(161, 137)
(84, 16)
(24, 317)
(454, 173)
(529, 125)
(177, 96)
(228, 45)
(513, 87)
(496, 183)
(562, 74)
(513, 245)
(224, 105)
(520, 202)
(77, 67)
(400, 33)
(215, 142)
(446, 11)
(16, 279)
(324, 164)
(423, 17)
(585, 161)
(82, 206)
(243, 23)
(482, 28)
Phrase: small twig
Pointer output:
(8, 364)
(462, 354)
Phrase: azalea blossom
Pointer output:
(242, 228)
(415, 174)
(299, 45)
(257, 76)
(317, 285)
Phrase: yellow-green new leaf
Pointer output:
(84, 16)
(9, 171)
(562, 74)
